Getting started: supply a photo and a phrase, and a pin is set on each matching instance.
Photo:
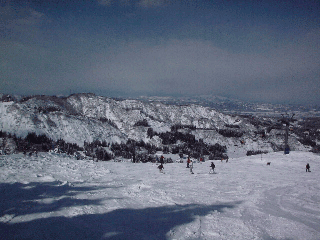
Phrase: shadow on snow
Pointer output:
(21, 199)
(147, 223)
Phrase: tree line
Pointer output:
(172, 142)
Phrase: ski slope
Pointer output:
(57, 197)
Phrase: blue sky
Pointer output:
(250, 50)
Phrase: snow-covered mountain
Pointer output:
(87, 117)
(236, 106)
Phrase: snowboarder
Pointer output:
(161, 168)
(307, 167)
(212, 166)
(188, 162)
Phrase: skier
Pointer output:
(191, 167)
(188, 162)
(161, 168)
(307, 167)
(212, 166)
(161, 159)
(134, 158)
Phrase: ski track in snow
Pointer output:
(57, 197)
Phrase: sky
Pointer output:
(265, 50)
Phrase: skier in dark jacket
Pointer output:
(188, 162)
(307, 167)
(162, 159)
(161, 167)
(212, 166)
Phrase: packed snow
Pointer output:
(52, 196)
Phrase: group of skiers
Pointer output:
(189, 165)
(212, 166)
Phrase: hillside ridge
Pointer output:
(86, 117)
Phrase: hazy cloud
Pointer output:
(199, 67)
(141, 3)
(152, 3)
(21, 23)
(11, 16)
(105, 2)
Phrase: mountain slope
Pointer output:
(87, 117)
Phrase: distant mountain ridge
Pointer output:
(86, 117)
(235, 106)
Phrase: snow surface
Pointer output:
(57, 197)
